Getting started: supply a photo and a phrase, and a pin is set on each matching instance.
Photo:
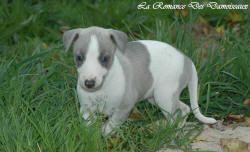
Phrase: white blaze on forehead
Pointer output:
(92, 52)
(91, 68)
(93, 48)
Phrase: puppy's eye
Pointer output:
(79, 58)
(104, 59)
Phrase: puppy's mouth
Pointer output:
(89, 87)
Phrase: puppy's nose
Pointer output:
(90, 83)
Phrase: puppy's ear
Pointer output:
(120, 39)
(70, 37)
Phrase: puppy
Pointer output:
(114, 74)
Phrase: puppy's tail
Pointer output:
(192, 88)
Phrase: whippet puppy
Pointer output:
(114, 74)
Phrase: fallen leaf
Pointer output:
(220, 29)
(56, 56)
(199, 138)
(230, 119)
(205, 31)
(184, 12)
(169, 150)
(247, 120)
(234, 17)
(234, 145)
(45, 45)
(113, 142)
(135, 114)
(133, 130)
(204, 21)
(61, 31)
(246, 101)
(214, 135)
(236, 117)
(227, 123)
(71, 71)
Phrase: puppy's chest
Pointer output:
(110, 100)
(105, 100)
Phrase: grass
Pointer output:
(38, 101)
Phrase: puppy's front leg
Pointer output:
(120, 114)
(118, 117)
(88, 114)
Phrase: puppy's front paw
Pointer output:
(88, 123)
(107, 128)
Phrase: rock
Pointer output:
(214, 135)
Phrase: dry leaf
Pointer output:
(169, 150)
(61, 31)
(234, 17)
(215, 134)
(230, 119)
(205, 31)
(135, 114)
(234, 145)
(220, 29)
(56, 56)
(246, 101)
(202, 20)
(236, 117)
(199, 138)
(71, 71)
(184, 12)
(247, 120)
(110, 142)
(45, 45)
(133, 130)
(113, 142)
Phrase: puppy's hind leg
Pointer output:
(164, 98)
(185, 109)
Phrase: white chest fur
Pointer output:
(108, 97)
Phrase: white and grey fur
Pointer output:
(134, 71)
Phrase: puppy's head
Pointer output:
(94, 50)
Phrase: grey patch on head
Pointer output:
(108, 45)
(69, 37)
(138, 71)
(119, 38)
(81, 48)
(108, 40)
(109, 56)
(75, 37)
